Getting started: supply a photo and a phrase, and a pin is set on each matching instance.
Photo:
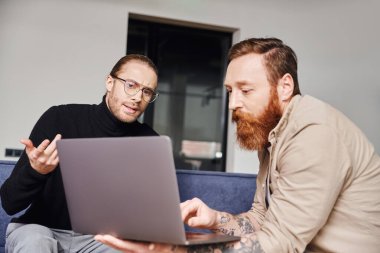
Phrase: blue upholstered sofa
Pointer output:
(230, 192)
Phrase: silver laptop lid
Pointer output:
(125, 186)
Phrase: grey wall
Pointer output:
(54, 52)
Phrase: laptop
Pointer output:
(126, 187)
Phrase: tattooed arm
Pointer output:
(245, 245)
(238, 225)
(197, 214)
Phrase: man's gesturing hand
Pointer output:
(44, 158)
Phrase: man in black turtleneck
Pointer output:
(36, 184)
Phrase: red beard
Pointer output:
(252, 132)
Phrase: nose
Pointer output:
(234, 100)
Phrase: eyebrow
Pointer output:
(241, 83)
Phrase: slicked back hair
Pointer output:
(133, 57)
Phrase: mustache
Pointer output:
(240, 117)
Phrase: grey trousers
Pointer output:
(33, 238)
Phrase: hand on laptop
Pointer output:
(44, 158)
(129, 246)
(197, 214)
(194, 212)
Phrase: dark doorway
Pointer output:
(192, 104)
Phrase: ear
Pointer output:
(285, 87)
(109, 83)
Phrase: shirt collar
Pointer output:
(276, 132)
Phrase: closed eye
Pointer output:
(246, 91)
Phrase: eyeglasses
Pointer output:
(131, 88)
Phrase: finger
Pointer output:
(54, 155)
(185, 208)
(189, 209)
(151, 246)
(186, 204)
(118, 244)
(41, 148)
(183, 204)
(53, 159)
(53, 145)
(161, 247)
(184, 214)
(28, 145)
(110, 241)
(196, 221)
(30, 149)
(38, 152)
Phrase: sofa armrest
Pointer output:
(6, 168)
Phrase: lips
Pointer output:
(130, 109)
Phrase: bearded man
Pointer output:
(319, 176)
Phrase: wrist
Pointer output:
(222, 219)
(218, 217)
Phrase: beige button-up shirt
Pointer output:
(321, 178)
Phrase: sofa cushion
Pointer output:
(229, 192)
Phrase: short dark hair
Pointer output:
(133, 57)
(279, 59)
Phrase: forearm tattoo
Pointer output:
(245, 224)
(228, 224)
(246, 245)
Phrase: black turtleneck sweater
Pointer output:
(44, 194)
